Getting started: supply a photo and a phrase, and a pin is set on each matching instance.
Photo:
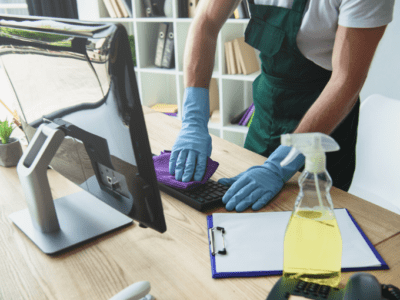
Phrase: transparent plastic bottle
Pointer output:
(313, 244)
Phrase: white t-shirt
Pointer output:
(322, 17)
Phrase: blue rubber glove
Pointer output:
(259, 184)
(193, 145)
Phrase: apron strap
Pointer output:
(299, 5)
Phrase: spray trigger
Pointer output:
(290, 157)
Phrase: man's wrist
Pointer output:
(286, 172)
(196, 106)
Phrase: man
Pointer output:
(315, 58)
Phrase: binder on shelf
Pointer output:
(183, 9)
(168, 55)
(162, 31)
(154, 8)
(158, 8)
(192, 5)
(245, 5)
(110, 8)
(238, 249)
(148, 8)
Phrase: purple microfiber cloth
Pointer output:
(171, 114)
(161, 166)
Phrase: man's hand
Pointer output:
(259, 184)
(254, 187)
(193, 145)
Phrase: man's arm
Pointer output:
(193, 145)
(352, 55)
(202, 39)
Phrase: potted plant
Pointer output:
(10, 148)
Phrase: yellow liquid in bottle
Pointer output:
(313, 248)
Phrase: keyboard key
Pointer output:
(200, 198)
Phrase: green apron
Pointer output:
(288, 85)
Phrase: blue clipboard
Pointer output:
(216, 274)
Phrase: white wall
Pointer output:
(384, 74)
(6, 95)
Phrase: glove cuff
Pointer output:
(196, 105)
(286, 172)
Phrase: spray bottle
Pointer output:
(313, 244)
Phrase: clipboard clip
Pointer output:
(211, 232)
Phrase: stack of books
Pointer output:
(240, 57)
(165, 46)
(168, 109)
(244, 118)
(119, 8)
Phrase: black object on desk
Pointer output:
(360, 286)
(202, 198)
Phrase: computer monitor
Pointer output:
(80, 110)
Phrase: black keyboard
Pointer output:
(201, 198)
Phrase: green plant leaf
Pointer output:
(6, 129)
(132, 44)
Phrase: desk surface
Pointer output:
(176, 263)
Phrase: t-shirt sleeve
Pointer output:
(365, 13)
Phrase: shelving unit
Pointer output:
(13, 7)
(167, 85)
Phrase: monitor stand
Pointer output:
(65, 222)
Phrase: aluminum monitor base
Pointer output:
(81, 217)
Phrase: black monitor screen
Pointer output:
(80, 75)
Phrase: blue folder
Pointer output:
(216, 274)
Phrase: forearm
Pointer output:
(199, 55)
(331, 107)
(352, 55)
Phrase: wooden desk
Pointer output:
(176, 263)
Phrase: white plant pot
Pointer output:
(10, 153)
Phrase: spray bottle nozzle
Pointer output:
(312, 145)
